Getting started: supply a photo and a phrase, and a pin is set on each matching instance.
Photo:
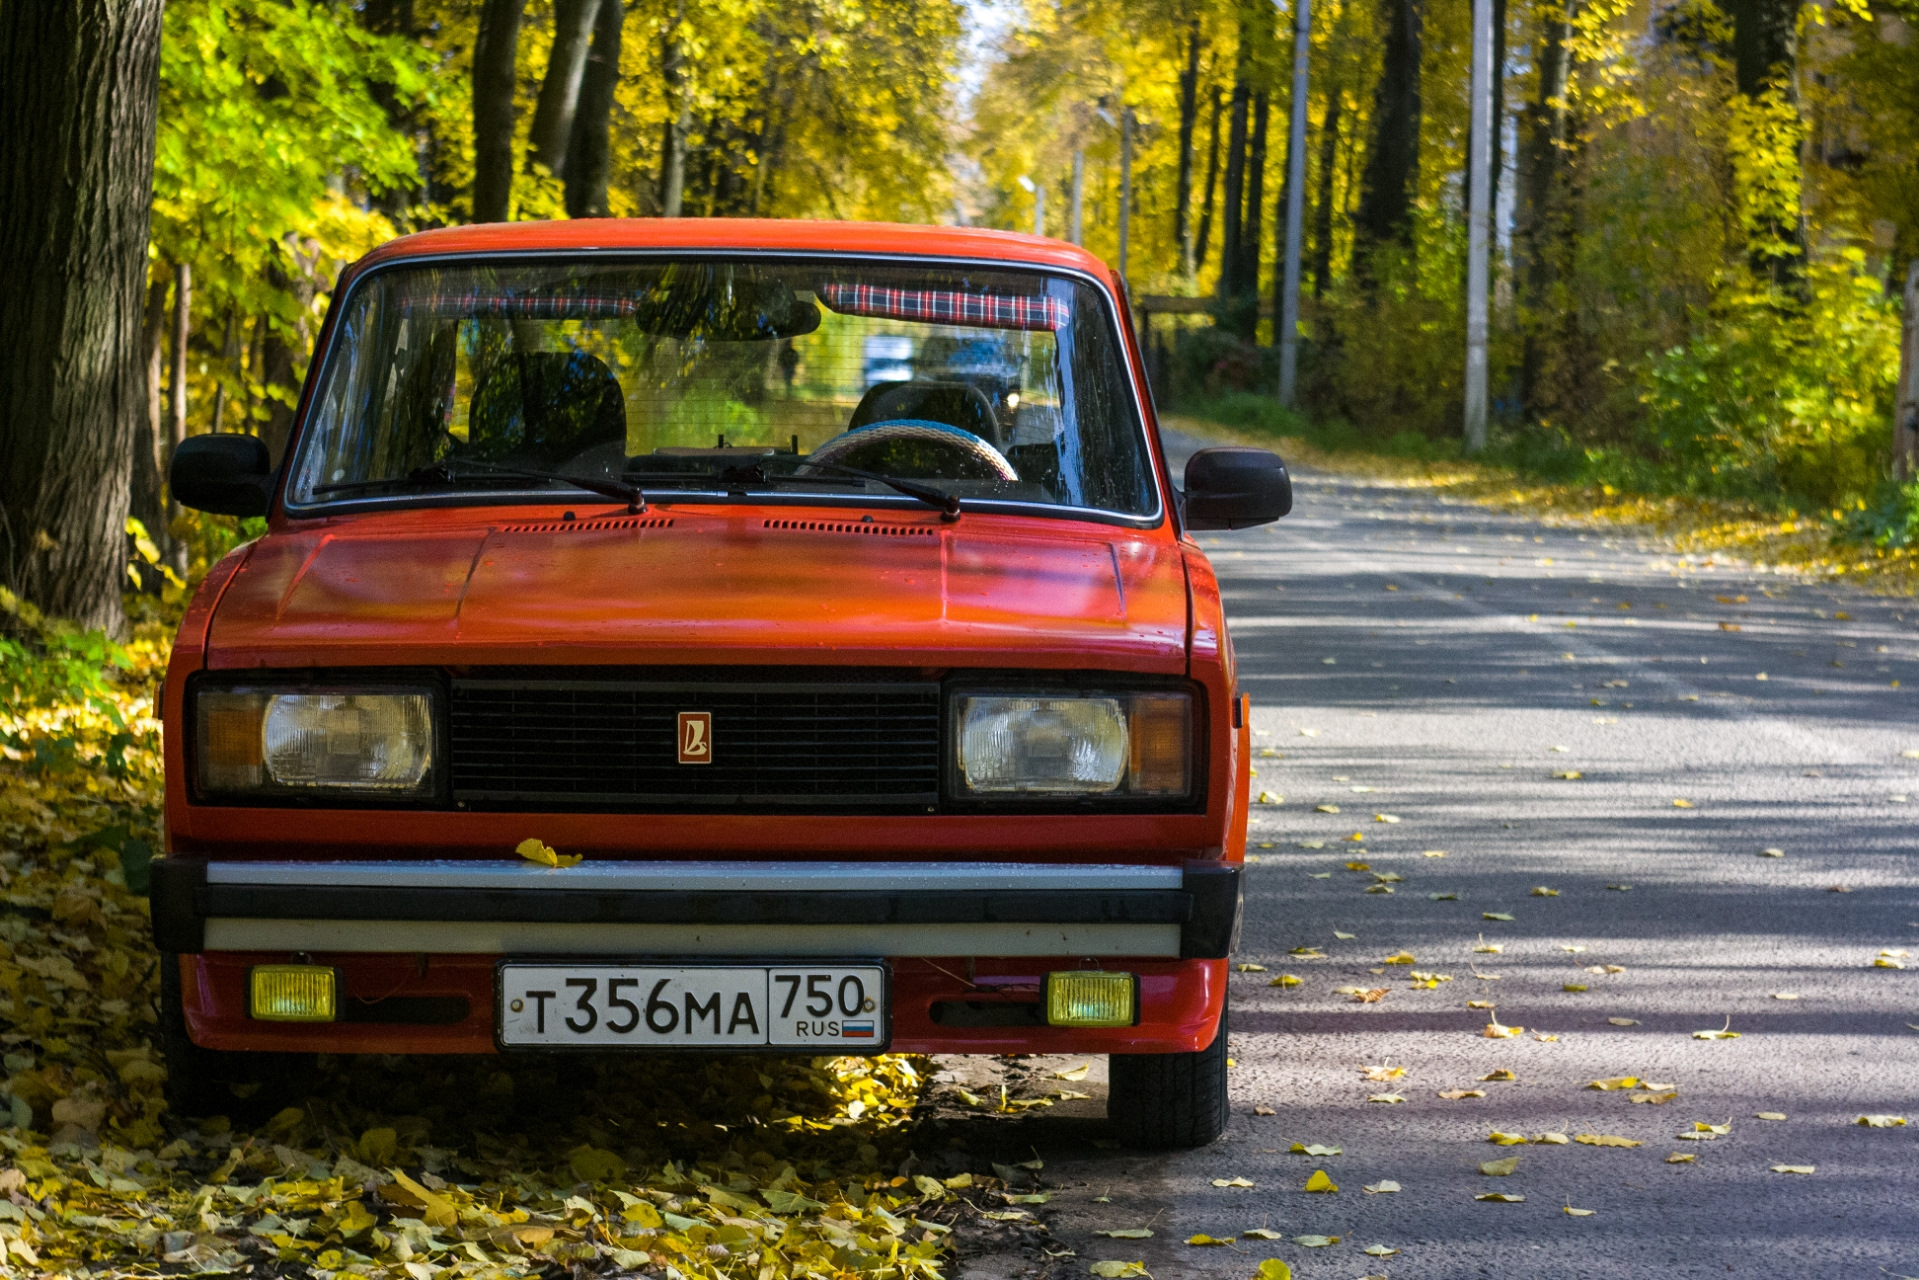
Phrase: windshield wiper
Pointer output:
(948, 504)
(442, 474)
(752, 475)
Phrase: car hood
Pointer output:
(688, 587)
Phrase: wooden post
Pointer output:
(1905, 415)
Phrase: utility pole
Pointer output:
(1478, 224)
(1295, 209)
(1079, 196)
(1905, 415)
(1125, 184)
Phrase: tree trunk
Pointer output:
(495, 54)
(1499, 115)
(147, 496)
(1212, 185)
(1188, 118)
(1252, 228)
(1323, 201)
(1235, 207)
(1765, 44)
(177, 400)
(79, 82)
(588, 154)
(551, 138)
(279, 377)
(673, 141)
(1539, 226)
(1392, 168)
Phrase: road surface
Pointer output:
(1602, 736)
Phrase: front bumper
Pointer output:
(790, 909)
(415, 943)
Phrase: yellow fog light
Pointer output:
(290, 993)
(1089, 999)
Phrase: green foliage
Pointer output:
(47, 665)
(1773, 400)
(1888, 519)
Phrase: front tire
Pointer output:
(1165, 1101)
(208, 1082)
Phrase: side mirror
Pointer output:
(1235, 488)
(227, 474)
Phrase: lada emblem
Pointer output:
(696, 737)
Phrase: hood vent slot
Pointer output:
(874, 529)
(591, 526)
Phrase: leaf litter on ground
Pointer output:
(772, 1167)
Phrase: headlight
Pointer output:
(315, 742)
(1130, 744)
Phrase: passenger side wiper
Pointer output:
(444, 474)
(948, 504)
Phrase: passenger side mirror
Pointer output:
(226, 474)
(1234, 488)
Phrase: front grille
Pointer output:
(615, 743)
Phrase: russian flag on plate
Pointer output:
(856, 1031)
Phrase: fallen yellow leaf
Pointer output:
(1549, 1139)
(1501, 1074)
(1383, 1072)
(1119, 1270)
(1496, 915)
(1623, 1022)
(1506, 1139)
(1573, 986)
(1432, 853)
(1402, 957)
(1494, 1031)
(1261, 1233)
(1794, 1168)
(1655, 1099)
(1285, 980)
(1385, 1097)
(1881, 1122)
(1455, 1095)
(1541, 891)
(535, 850)
(1074, 1073)
(1320, 1182)
(1605, 1140)
(1724, 1033)
(1263, 1110)
(1205, 1240)
(1327, 808)
(1128, 1233)
(1313, 1149)
(1769, 1115)
(1252, 968)
(1682, 804)
(1384, 1187)
(1571, 1212)
(1612, 1083)
(1273, 1268)
(1501, 1197)
(1479, 1004)
(1681, 1157)
(1232, 1182)
(1380, 1250)
(1315, 1242)
(1499, 1168)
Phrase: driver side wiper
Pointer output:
(442, 473)
(948, 503)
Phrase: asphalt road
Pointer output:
(1445, 665)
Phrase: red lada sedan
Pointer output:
(637, 662)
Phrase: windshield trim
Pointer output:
(323, 368)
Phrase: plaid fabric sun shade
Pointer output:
(948, 306)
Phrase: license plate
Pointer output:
(838, 1007)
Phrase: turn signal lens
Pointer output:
(1083, 998)
(231, 754)
(291, 993)
(1162, 734)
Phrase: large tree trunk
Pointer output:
(588, 155)
(1212, 185)
(495, 54)
(551, 138)
(1392, 168)
(1188, 118)
(79, 81)
(673, 140)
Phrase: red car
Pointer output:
(631, 664)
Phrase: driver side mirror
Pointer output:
(228, 474)
(1235, 488)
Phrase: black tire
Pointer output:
(1165, 1101)
(212, 1082)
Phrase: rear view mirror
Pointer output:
(1234, 488)
(227, 474)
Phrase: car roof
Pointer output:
(761, 235)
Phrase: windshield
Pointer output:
(681, 377)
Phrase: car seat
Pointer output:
(545, 407)
(958, 404)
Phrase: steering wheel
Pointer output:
(916, 449)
